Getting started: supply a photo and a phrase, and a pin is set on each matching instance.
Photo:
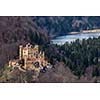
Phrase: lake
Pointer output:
(60, 40)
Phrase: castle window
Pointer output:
(36, 64)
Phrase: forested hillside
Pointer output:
(75, 62)
(15, 31)
(61, 25)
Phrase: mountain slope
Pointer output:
(61, 25)
(15, 31)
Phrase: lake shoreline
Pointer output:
(80, 32)
(72, 37)
(85, 31)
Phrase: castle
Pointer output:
(30, 58)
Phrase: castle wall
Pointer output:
(31, 55)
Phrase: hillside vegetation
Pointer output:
(75, 62)
(61, 25)
(15, 31)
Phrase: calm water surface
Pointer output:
(72, 37)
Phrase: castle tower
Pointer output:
(25, 62)
(36, 47)
(20, 52)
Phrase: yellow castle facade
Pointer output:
(30, 57)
